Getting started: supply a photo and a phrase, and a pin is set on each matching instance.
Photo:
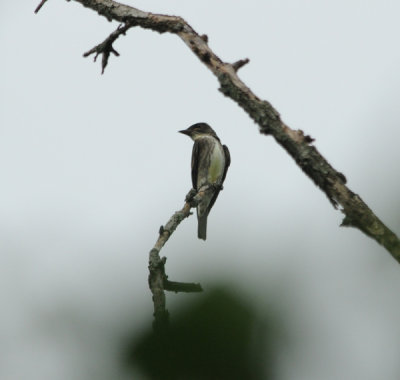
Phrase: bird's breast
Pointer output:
(217, 164)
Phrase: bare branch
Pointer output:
(40, 6)
(158, 280)
(106, 47)
(156, 284)
(307, 157)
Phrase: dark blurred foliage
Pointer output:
(219, 336)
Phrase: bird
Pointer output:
(210, 162)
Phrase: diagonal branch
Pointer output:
(40, 6)
(158, 280)
(329, 180)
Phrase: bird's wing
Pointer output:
(195, 162)
(227, 162)
(200, 154)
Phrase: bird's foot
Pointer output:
(190, 195)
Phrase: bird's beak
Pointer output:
(185, 132)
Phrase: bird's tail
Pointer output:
(202, 227)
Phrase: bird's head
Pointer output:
(198, 130)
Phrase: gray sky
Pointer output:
(92, 165)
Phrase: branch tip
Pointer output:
(239, 64)
(183, 287)
(106, 47)
(40, 6)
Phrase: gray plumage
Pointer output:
(210, 162)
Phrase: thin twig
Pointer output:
(40, 6)
(106, 47)
(182, 287)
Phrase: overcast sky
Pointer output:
(91, 165)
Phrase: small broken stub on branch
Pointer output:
(239, 64)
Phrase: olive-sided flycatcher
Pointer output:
(210, 162)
